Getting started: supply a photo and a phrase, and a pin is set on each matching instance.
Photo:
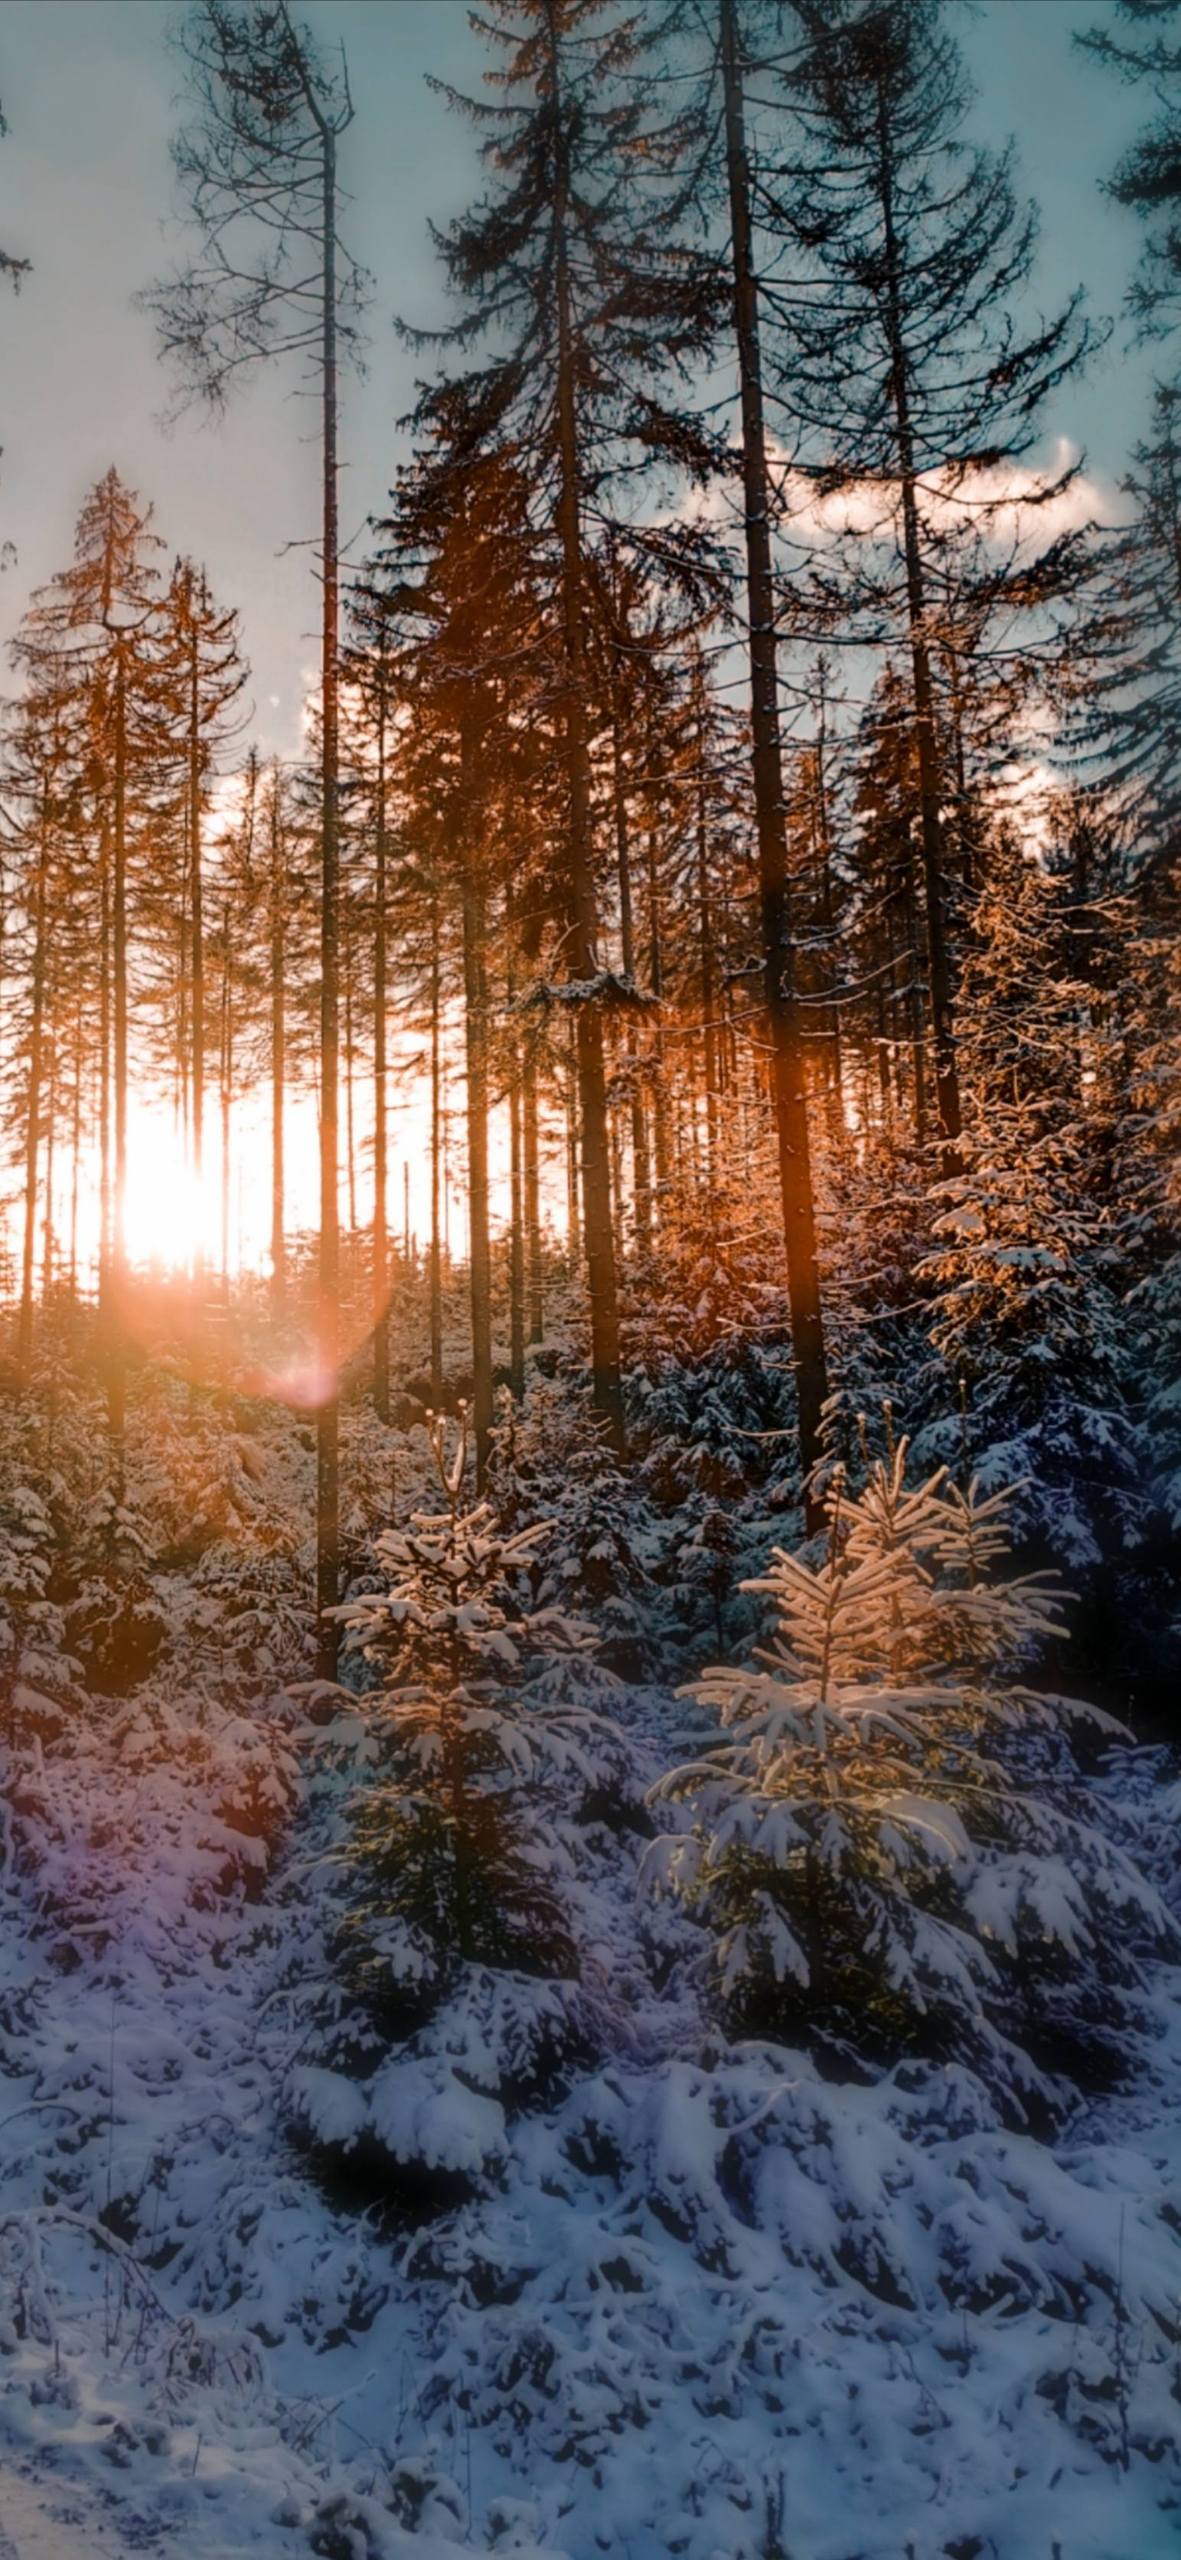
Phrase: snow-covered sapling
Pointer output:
(462, 1844)
(879, 1878)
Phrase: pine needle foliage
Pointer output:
(462, 1844)
(879, 1879)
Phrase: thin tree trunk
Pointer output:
(278, 938)
(328, 1431)
(49, 1238)
(197, 930)
(947, 1094)
(227, 1094)
(381, 1283)
(350, 1145)
(516, 1243)
(790, 1098)
(33, 1106)
(532, 1151)
(438, 1167)
(835, 1077)
(707, 949)
(117, 1375)
(606, 1377)
(104, 1050)
(475, 1023)
(660, 1094)
(641, 1164)
(75, 1158)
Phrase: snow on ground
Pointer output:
(710, 2305)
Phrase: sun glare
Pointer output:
(172, 1219)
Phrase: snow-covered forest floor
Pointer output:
(708, 2302)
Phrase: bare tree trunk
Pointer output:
(606, 1378)
(641, 1165)
(533, 1198)
(104, 1047)
(117, 1372)
(437, 1162)
(75, 1157)
(197, 931)
(350, 1145)
(516, 1244)
(660, 1092)
(33, 1103)
(707, 948)
(789, 1088)
(49, 1238)
(475, 1022)
(227, 1098)
(832, 1011)
(278, 940)
(947, 1094)
(328, 1429)
(381, 1277)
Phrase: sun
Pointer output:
(172, 1219)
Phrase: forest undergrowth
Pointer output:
(403, 2148)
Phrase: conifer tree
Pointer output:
(576, 273)
(1135, 723)
(96, 625)
(458, 1931)
(782, 999)
(257, 164)
(202, 680)
(880, 1879)
(898, 366)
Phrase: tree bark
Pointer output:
(606, 1377)
(278, 942)
(437, 1165)
(532, 1152)
(475, 1021)
(328, 1423)
(641, 1162)
(196, 925)
(33, 1108)
(947, 1096)
(381, 1278)
(788, 1077)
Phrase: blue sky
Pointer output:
(86, 185)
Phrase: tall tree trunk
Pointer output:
(438, 1166)
(227, 1101)
(381, 1278)
(49, 1235)
(516, 1170)
(328, 1427)
(790, 1097)
(835, 1073)
(516, 1241)
(350, 1142)
(606, 1377)
(278, 941)
(707, 948)
(104, 1073)
(532, 1148)
(197, 931)
(75, 1156)
(570, 1099)
(641, 1164)
(475, 1024)
(660, 1095)
(947, 1094)
(117, 1372)
(33, 1107)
